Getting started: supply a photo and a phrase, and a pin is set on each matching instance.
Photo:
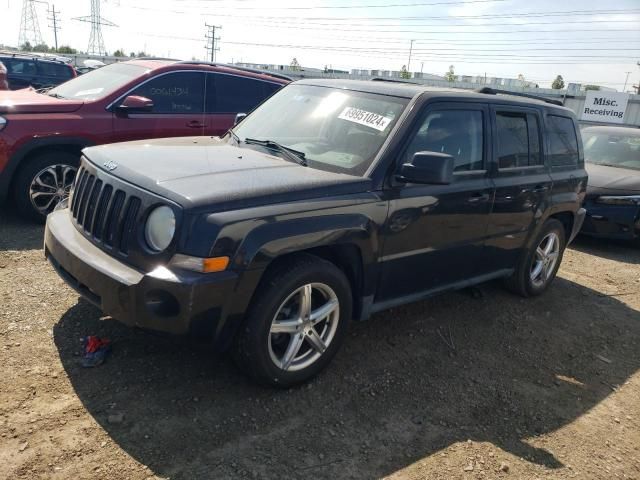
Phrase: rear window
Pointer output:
(235, 94)
(563, 142)
(57, 70)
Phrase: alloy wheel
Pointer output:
(304, 326)
(50, 186)
(545, 260)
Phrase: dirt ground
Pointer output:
(469, 386)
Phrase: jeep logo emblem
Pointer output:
(110, 165)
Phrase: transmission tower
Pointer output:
(96, 42)
(29, 27)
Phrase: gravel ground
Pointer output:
(476, 384)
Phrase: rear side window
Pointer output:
(234, 94)
(458, 133)
(17, 66)
(518, 140)
(57, 70)
(563, 142)
(180, 92)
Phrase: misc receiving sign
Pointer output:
(605, 106)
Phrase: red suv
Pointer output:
(42, 134)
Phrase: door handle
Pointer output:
(540, 188)
(195, 124)
(478, 197)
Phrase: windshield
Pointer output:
(336, 130)
(98, 83)
(612, 149)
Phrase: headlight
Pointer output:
(619, 200)
(160, 228)
(3, 122)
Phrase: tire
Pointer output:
(262, 353)
(54, 168)
(524, 280)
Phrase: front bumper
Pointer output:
(163, 300)
(612, 221)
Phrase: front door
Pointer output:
(178, 108)
(434, 235)
(522, 182)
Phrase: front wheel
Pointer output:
(43, 182)
(541, 262)
(295, 323)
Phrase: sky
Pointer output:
(585, 41)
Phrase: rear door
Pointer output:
(228, 95)
(521, 179)
(178, 108)
(51, 74)
(21, 72)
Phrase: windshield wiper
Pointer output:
(294, 155)
(55, 95)
(235, 136)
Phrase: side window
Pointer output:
(21, 67)
(54, 70)
(458, 133)
(234, 94)
(563, 142)
(180, 92)
(518, 140)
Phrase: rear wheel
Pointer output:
(43, 182)
(539, 265)
(295, 323)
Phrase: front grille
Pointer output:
(104, 212)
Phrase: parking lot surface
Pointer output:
(473, 384)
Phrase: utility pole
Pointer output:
(53, 18)
(410, 50)
(212, 45)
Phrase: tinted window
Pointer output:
(21, 67)
(54, 70)
(563, 142)
(458, 133)
(181, 92)
(233, 94)
(518, 140)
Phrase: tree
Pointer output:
(132, 54)
(142, 54)
(26, 47)
(67, 49)
(404, 73)
(41, 47)
(119, 53)
(450, 76)
(558, 83)
(294, 64)
(592, 87)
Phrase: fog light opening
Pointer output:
(161, 303)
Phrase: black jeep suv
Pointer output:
(331, 201)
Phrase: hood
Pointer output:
(28, 100)
(605, 180)
(210, 172)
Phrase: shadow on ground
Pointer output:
(619, 250)
(401, 388)
(17, 233)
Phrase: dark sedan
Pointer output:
(613, 195)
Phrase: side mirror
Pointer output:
(239, 118)
(428, 167)
(135, 104)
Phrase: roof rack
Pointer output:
(392, 80)
(236, 67)
(33, 56)
(495, 91)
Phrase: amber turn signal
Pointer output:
(214, 264)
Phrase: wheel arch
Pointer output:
(33, 148)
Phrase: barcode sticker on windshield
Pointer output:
(368, 119)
